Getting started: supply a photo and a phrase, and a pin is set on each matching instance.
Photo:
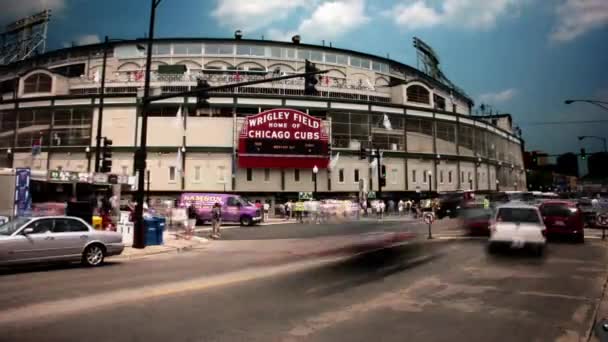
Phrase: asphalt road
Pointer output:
(307, 230)
(438, 291)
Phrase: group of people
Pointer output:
(216, 219)
(302, 210)
(403, 207)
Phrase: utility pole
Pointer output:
(139, 234)
(102, 93)
(379, 168)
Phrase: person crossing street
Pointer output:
(216, 220)
(299, 211)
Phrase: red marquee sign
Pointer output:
(283, 138)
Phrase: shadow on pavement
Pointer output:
(375, 265)
(50, 267)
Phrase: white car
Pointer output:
(55, 238)
(517, 225)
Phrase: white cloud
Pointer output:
(472, 14)
(329, 20)
(87, 39)
(416, 15)
(14, 10)
(498, 97)
(576, 17)
(249, 15)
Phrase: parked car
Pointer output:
(563, 217)
(234, 207)
(517, 225)
(56, 238)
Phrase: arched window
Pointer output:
(37, 83)
(418, 93)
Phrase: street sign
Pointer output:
(305, 196)
(429, 218)
(371, 195)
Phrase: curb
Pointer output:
(202, 242)
(590, 335)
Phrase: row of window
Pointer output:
(194, 49)
(392, 176)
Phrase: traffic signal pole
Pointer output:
(139, 234)
(379, 168)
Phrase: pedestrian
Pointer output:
(400, 207)
(287, 210)
(266, 210)
(382, 209)
(299, 211)
(192, 216)
(391, 207)
(216, 220)
(260, 208)
(408, 206)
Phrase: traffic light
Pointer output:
(203, 96)
(310, 81)
(362, 153)
(106, 156)
(383, 175)
(583, 154)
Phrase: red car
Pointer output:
(563, 218)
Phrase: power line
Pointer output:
(540, 123)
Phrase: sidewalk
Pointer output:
(171, 244)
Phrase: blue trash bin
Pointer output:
(160, 228)
(151, 225)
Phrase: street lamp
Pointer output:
(87, 151)
(497, 185)
(601, 104)
(315, 170)
(430, 183)
(140, 155)
(582, 137)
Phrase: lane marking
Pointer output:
(52, 310)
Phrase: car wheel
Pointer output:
(580, 238)
(538, 250)
(492, 248)
(246, 221)
(93, 255)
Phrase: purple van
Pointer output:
(234, 207)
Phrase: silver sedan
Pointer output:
(55, 238)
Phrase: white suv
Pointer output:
(517, 225)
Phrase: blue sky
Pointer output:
(523, 57)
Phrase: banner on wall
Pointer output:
(23, 200)
(283, 138)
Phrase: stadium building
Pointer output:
(422, 124)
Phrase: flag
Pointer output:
(179, 160)
(374, 164)
(334, 161)
(387, 123)
(179, 120)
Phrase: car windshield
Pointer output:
(518, 215)
(11, 226)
